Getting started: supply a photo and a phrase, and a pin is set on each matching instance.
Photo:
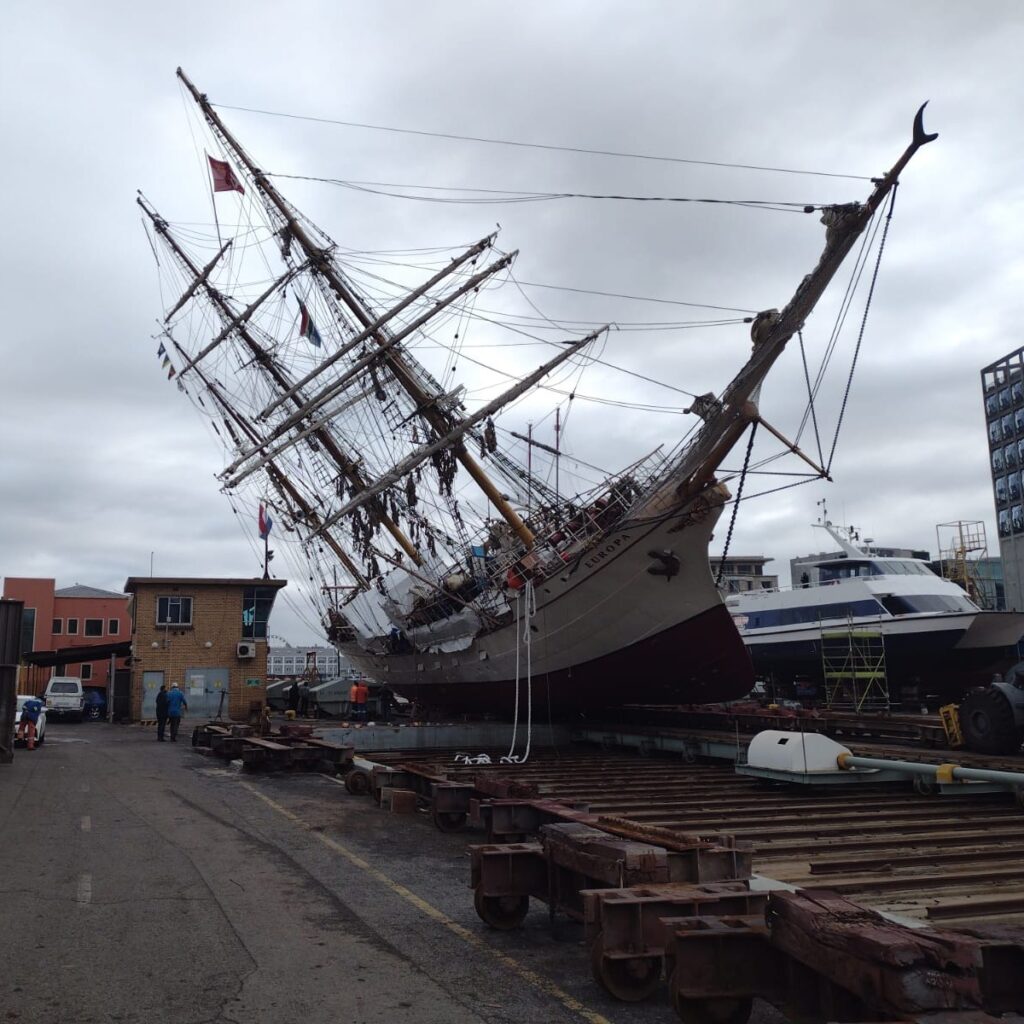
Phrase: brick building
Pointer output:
(69, 622)
(207, 635)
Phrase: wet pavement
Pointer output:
(142, 882)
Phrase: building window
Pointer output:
(93, 627)
(28, 630)
(72, 627)
(256, 605)
(86, 673)
(113, 626)
(174, 611)
(58, 627)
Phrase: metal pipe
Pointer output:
(940, 772)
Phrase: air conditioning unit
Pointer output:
(246, 649)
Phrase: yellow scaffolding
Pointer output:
(853, 667)
(963, 558)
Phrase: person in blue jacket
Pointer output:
(30, 712)
(175, 703)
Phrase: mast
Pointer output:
(277, 478)
(454, 436)
(239, 319)
(200, 280)
(335, 388)
(470, 254)
(346, 465)
(321, 263)
(725, 422)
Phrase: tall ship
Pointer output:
(936, 639)
(443, 563)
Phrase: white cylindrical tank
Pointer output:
(794, 752)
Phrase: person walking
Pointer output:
(175, 703)
(303, 699)
(30, 712)
(362, 694)
(161, 712)
(293, 697)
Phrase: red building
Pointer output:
(68, 622)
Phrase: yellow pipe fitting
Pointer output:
(842, 758)
(944, 773)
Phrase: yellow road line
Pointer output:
(528, 975)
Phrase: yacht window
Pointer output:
(814, 614)
(847, 571)
(917, 603)
(904, 568)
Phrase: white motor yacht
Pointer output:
(936, 638)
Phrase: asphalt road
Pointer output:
(144, 883)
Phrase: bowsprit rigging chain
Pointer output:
(736, 503)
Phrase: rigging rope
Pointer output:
(810, 397)
(380, 188)
(536, 145)
(530, 599)
(736, 504)
(863, 324)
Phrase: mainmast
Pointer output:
(426, 403)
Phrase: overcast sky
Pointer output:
(103, 463)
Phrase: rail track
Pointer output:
(952, 858)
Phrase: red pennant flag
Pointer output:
(224, 179)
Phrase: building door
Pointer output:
(151, 683)
(206, 690)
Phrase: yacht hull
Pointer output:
(941, 654)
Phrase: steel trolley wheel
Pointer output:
(501, 912)
(629, 979)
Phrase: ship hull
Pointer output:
(942, 655)
(605, 633)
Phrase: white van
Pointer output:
(65, 698)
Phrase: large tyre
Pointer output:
(988, 723)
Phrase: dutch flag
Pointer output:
(266, 523)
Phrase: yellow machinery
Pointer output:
(949, 714)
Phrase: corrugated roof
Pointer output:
(81, 591)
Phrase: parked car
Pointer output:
(65, 697)
(40, 722)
